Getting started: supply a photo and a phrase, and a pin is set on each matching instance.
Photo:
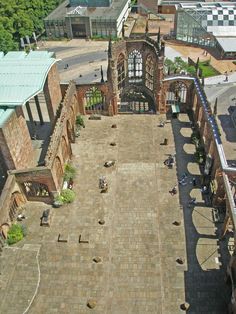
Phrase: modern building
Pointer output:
(86, 19)
(208, 24)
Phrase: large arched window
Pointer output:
(121, 70)
(35, 189)
(177, 93)
(94, 99)
(135, 67)
(149, 72)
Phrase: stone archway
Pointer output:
(4, 230)
(137, 100)
(58, 169)
(94, 100)
(70, 131)
(16, 202)
(35, 190)
(64, 149)
(176, 93)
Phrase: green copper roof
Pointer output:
(4, 115)
(22, 76)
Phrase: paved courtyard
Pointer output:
(138, 244)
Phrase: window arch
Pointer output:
(149, 72)
(64, 149)
(135, 66)
(121, 70)
(35, 189)
(94, 99)
(59, 170)
(177, 93)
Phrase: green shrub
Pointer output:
(70, 172)
(80, 121)
(195, 138)
(67, 196)
(16, 233)
(200, 154)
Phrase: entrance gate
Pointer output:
(134, 106)
(135, 101)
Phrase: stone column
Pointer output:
(36, 99)
(225, 225)
(29, 112)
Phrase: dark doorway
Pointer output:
(78, 30)
(136, 101)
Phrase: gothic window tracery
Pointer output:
(177, 93)
(135, 67)
(121, 70)
(35, 189)
(94, 99)
(149, 72)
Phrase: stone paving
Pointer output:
(138, 244)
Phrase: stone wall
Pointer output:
(147, 47)
(59, 149)
(15, 142)
(52, 92)
(5, 198)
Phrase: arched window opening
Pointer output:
(94, 99)
(36, 189)
(177, 93)
(149, 72)
(59, 170)
(135, 67)
(121, 71)
(64, 149)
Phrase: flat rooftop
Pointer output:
(226, 104)
(111, 12)
(216, 6)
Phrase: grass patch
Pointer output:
(67, 196)
(15, 234)
(207, 69)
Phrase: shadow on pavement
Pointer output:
(205, 289)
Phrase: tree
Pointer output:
(177, 66)
(19, 18)
(7, 42)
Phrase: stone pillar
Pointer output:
(29, 112)
(115, 106)
(225, 225)
(159, 90)
(36, 99)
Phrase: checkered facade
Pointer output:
(220, 17)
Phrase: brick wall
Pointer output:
(52, 92)
(16, 143)
(5, 199)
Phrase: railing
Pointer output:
(210, 117)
